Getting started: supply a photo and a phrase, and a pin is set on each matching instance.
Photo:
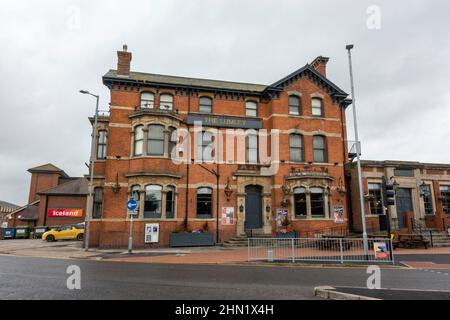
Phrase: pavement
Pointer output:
(433, 258)
(356, 293)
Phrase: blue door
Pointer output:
(404, 204)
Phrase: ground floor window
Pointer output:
(427, 199)
(300, 202)
(98, 203)
(204, 202)
(152, 203)
(317, 202)
(445, 196)
(170, 202)
(375, 199)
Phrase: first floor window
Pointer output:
(101, 144)
(156, 140)
(317, 108)
(98, 203)
(166, 102)
(294, 105)
(375, 199)
(204, 202)
(205, 146)
(252, 148)
(172, 143)
(251, 109)
(317, 202)
(135, 192)
(152, 204)
(170, 202)
(445, 195)
(138, 143)
(147, 100)
(319, 149)
(300, 202)
(427, 199)
(296, 147)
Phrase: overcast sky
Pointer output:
(52, 49)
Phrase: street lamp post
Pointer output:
(91, 176)
(358, 153)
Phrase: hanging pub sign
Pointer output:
(227, 215)
(64, 213)
(338, 211)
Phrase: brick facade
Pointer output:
(122, 169)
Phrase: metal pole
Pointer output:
(358, 160)
(130, 239)
(91, 178)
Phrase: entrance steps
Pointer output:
(242, 240)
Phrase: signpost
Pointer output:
(132, 210)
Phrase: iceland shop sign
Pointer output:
(65, 213)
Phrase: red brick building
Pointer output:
(146, 144)
(54, 199)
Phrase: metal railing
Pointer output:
(330, 250)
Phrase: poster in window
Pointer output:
(151, 233)
(338, 211)
(227, 215)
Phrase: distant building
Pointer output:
(5, 209)
(422, 194)
(54, 199)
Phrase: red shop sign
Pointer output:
(66, 213)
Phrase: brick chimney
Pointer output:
(123, 62)
(320, 65)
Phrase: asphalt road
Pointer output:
(38, 278)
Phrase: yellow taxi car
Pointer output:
(64, 233)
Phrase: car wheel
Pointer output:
(80, 237)
(50, 238)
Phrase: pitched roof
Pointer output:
(30, 212)
(4, 204)
(185, 81)
(75, 187)
(47, 168)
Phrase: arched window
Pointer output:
(101, 144)
(155, 146)
(296, 147)
(98, 203)
(138, 143)
(317, 202)
(205, 105)
(173, 138)
(205, 146)
(251, 109)
(147, 100)
(204, 202)
(252, 148)
(170, 202)
(319, 149)
(294, 105)
(300, 202)
(152, 203)
(166, 102)
(317, 107)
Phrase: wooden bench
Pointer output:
(410, 241)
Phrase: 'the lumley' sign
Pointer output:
(66, 213)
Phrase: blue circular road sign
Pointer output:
(132, 205)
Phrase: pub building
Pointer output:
(209, 155)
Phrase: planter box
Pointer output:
(288, 235)
(191, 239)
